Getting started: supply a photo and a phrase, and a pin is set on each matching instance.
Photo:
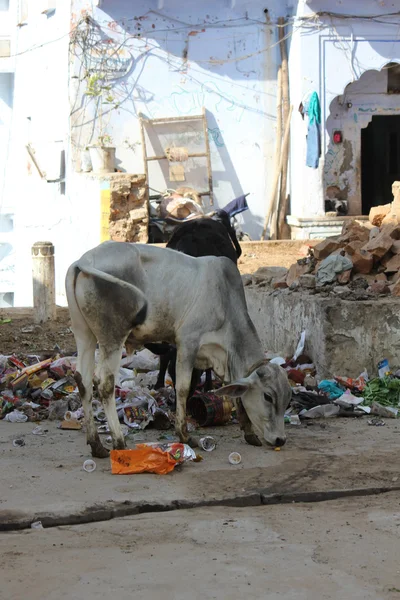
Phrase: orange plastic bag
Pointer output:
(145, 459)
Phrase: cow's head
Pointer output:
(265, 393)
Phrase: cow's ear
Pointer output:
(233, 390)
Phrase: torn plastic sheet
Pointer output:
(300, 346)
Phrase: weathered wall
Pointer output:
(129, 216)
(342, 337)
(368, 97)
(178, 59)
(326, 55)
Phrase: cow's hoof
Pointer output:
(120, 445)
(98, 450)
(252, 439)
(193, 442)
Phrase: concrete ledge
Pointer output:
(97, 513)
(342, 337)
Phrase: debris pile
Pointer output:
(340, 396)
(362, 263)
(34, 390)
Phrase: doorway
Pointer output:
(380, 160)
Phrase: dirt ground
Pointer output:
(332, 550)
(272, 254)
(23, 336)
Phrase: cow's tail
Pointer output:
(70, 286)
(89, 270)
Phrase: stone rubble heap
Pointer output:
(369, 252)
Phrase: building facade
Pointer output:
(168, 59)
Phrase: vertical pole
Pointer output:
(283, 228)
(278, 148)
(44, 287)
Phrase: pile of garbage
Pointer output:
(33, 390)
(362, 263)
(340, 396)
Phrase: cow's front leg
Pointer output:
(109, 361)
(184, 368)
(245, 425)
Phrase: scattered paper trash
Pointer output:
(207, 443)
(38, 430)
(389, 412)
(323, 410)
(89, 466)
(376, 422)
(16, 416)
(347, 400)
(18, 442)
(300, 346)
(383, 368)
(278, 360)
(71, 424)
(37, 525)
(74, 415)
(235, 458)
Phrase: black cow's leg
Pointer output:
(196, 377)
(208, 383)
(164, 361)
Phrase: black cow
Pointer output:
(198, 237)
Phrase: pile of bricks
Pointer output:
(372, 246)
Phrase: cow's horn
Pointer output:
(259, 363)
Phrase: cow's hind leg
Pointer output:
(184, 368)
(109, 362)
(86, 346)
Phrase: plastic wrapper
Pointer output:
(324, 410)
(63, 366)
(347, 400)
(383, 368)
(354, 384)
(141, 361)
(16, 417)
(388, 412)
(155, 457)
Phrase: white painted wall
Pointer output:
(66, 215)
(240, 97)
(326, 56)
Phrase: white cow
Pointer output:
(121, 293)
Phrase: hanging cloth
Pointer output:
(314, 132)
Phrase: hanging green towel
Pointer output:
(314, 109)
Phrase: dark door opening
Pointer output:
(380, 160)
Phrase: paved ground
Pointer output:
(44, 478)
(338, 550)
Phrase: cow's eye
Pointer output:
(268, 398)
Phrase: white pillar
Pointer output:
(44, 288)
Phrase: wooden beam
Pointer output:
(283, 229)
